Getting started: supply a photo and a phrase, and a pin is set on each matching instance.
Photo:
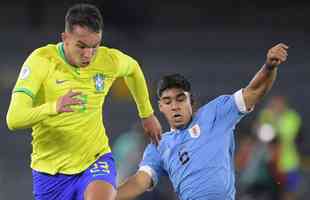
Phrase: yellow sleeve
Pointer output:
(32, 74)
(130, 70)
(22, 114)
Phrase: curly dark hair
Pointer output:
(173, 81)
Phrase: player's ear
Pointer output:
(64, 36)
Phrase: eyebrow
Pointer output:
(181, 94)
(165, 98)
(84, 44)
(177, 96)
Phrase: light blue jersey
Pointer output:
(199, 159)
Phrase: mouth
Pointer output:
(84, 63)
(177, 116)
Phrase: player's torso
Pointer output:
(93, 81)
(68, 139)
(195, 159)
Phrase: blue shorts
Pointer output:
(72, 187)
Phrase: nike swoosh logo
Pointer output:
(60, 81)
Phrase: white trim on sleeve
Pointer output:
(151, 172)
(239, 99)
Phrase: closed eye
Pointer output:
(167, 101)
(181, 97)
(81, 46)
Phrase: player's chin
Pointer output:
(179, 124)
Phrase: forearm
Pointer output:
(259, 85)
(134, 186)
(128, 190)
(263, 80)
(138, 88)
(22, 114)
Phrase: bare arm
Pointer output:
(264, 78)
(134, 186)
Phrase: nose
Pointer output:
(174, 105)
(88, 53)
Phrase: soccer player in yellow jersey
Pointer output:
(59, 93)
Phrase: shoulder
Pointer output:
(46, 55)
(120, 62)
(113, 53)
(223, 99)
(165, 139)
(214, 103)
(211, 109)
(43, 58)
(167, 134)
(47, 52)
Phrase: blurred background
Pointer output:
(218, 45)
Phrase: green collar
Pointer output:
(61, 52)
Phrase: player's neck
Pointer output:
(67, 57)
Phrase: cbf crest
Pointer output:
(99, 82)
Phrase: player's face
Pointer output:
(175, 104)
(81, 45)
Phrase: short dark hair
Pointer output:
(173, 81)
(85, 15)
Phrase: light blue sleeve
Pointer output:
(152, 164)
(230, 108)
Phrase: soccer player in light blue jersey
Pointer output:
(197, 154)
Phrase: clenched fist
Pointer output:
(276, 55)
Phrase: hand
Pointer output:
(276, 55)
(64, 102)
(152, 128)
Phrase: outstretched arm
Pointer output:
(264, 78)
(134, 186)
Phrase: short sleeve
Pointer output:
(32, 74)
(152, 164)
(231, 108)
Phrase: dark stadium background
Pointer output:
(218, 45)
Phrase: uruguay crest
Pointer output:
(195, 131)
(99, 82)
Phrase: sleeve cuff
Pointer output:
(24, 90)
(147, 169)
(146, 114)
(239, 100)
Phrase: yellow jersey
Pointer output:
(69, 143)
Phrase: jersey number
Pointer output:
(100, 166)
(183, 157)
